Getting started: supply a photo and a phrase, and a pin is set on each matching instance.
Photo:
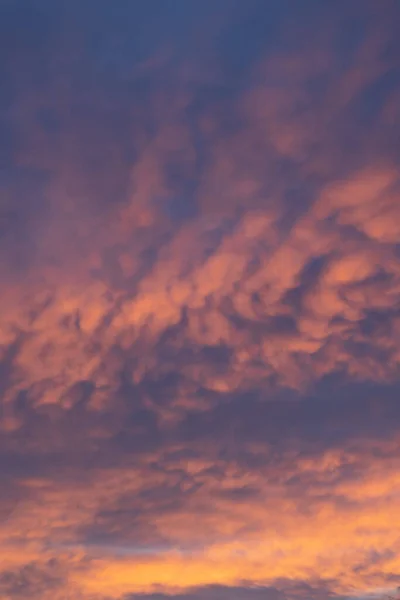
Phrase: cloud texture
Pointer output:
(200, 300)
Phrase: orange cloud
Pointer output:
(199, 324)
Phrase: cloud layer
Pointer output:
(200, 300)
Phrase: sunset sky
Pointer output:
(199, 299)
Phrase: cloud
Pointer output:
(288, 590)
(199, 322)
(29, 580)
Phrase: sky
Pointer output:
(199, 299)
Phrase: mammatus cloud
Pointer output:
(199, 309)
